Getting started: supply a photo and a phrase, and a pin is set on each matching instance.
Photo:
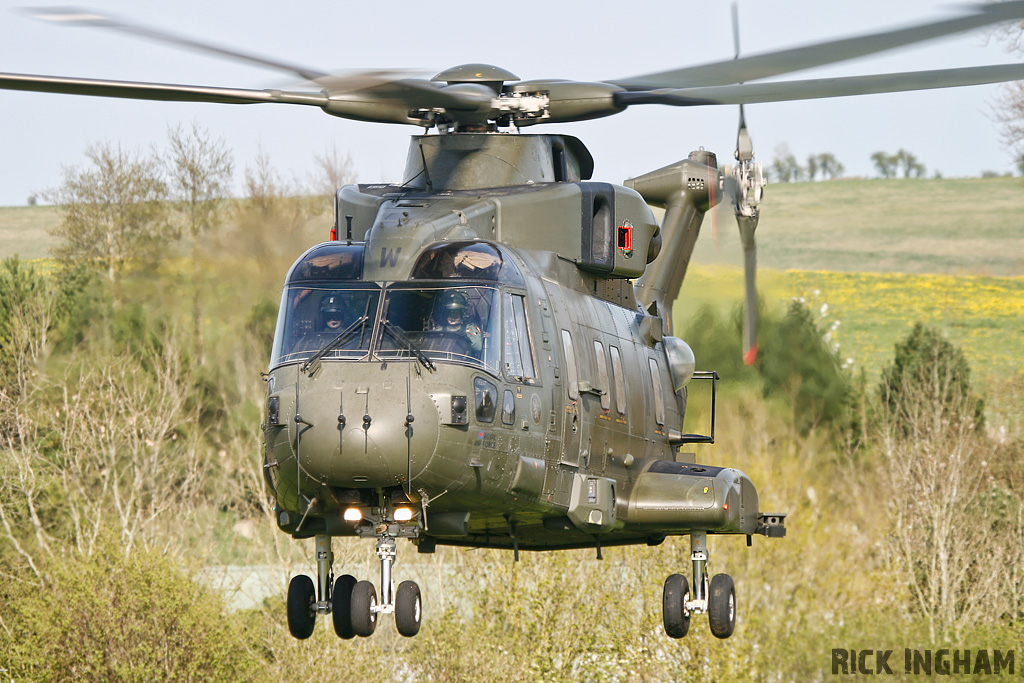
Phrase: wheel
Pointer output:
(408, 608)
(362, 616)
(341, 606)
(722, 606)
(301, 598)
(673, 606)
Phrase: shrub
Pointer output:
(795, 362)
(117, 617)
(927, 363)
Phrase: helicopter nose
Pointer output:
(373, 430)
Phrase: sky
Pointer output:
(952, 131)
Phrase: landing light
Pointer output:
(353, 515)
(403, 514)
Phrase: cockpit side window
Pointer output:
(518, 357)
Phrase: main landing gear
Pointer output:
(717, 597)
(353, 604)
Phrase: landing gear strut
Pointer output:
(353, 604)
(716, 597)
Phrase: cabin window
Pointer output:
(618, 380)
(315, 315)
(659, 397)
(602, 376)
(485, 394)
(508, 408)
(446, 323)
(571, 374)
(518, 348)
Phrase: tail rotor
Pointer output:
(745, 183)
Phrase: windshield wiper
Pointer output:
(399, 336)
(334, 343)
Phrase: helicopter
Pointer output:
(482, 354)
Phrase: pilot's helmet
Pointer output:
(451, 309)
(332, 310)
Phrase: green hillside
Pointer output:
(968, 226)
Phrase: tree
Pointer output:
(785, 168)
(955, 555)
(902, 162)
(199, 169)
(1010, 103)
(332, 170)
(829, 166)
(909, 164)
(273, 213)
(885, 164)
(812, 168)
(112, 210)
(824, 164)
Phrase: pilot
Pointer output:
(450, 315)
(334, 313)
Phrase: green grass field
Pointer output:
(24, 231)
(983, 315)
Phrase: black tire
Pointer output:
(364, 599)
(341, 606)
(301, 614)
(722, 606)
(673, 606)
(408, 608)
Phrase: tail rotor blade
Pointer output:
(747, 226)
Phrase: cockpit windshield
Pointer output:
(338, 315)
(449, 310)
(419, 321)
(443, 322)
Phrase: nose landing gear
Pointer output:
(717, 598)
(353, 604)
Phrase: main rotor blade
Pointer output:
(784, 91)
(756, 67)
(78, 16)
(155, 91)
(392, 90)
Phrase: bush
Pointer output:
(927, 363)
(794, 364)
(112, 617)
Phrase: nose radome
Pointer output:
(361, 436)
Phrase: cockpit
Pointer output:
(464, 303)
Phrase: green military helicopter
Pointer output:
(482, 353)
